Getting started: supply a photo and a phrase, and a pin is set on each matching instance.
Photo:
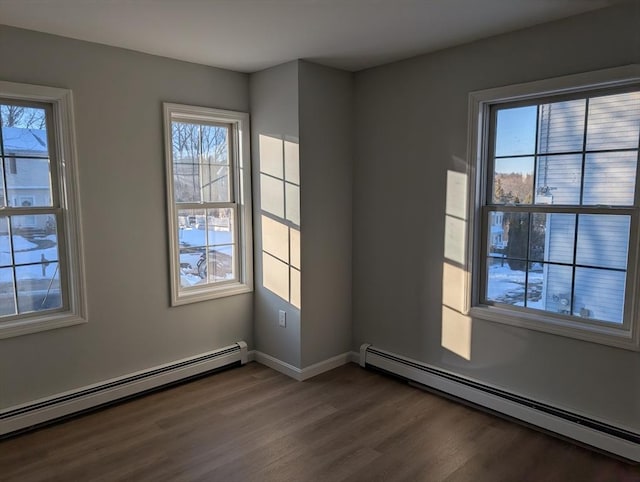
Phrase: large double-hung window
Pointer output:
(556, 211)
(41, 273)
(208, 180)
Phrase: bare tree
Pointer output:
(22, 117)
(200, 153)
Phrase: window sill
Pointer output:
(210, 293)
(27, 326)
(619, 337)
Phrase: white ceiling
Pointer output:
(250, 35)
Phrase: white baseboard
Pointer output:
(599, 434)
(47, 409)
(302, 374)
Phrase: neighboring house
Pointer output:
(598, 289)
(27, 173)
(498, 239)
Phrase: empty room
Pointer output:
(319, 240)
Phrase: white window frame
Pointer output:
(241, 202)
(63, 153)
(626, 336)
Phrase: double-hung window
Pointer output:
(209, 207)
(41, 282)
(557, 206)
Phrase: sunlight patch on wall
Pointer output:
(456, 326)
(271, 195)
(456, 332)
(275, 276)
(453, 280)
(280, 221)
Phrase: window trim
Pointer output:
(241, 189)
(480, 103)
(66, 174)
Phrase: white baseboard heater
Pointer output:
(615, 440)
(33, 414)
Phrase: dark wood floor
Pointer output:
(254, 424)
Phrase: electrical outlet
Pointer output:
(282, 318)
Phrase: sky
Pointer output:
(516, 135)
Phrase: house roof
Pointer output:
(25, 175)
(24, 142)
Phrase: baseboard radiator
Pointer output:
(602, 436)
(37, 413)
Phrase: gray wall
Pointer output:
(411, 130)
(302, 120)
(326, 154)
(274, 121)
(118, 106)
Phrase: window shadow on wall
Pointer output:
(280, 217)
(456, 325)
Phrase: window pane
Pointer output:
(558, 179)
(215, 144)
(516, 131)
(185, 139)
(215, 183)
(221, 225)
(496, 241)
(186, 182)
(603, 240)
(5, 245)
(614, 122)
(599, 294)
(38, 287)
(555, 237)
(517, 233)
(220, 264)
(7, 300)
(535, 286)
(556, 288)
(513, 180)
(192, 266)
(504, 283)
(200, 163)
(3, 198)
(191, 227)
(201, 183)
(537, 236)
(561, 126)
(28, 182)
(24, 131)
(35, 238)
(609, 178)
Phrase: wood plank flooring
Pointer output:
(254, 424)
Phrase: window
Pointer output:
(41, 272)
(556, 212)
(209, 186)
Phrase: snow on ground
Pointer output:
(505, 285)
(28, 251)
(198, 237)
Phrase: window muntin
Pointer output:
(208, 177)
(568, 191)
(41, 261)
